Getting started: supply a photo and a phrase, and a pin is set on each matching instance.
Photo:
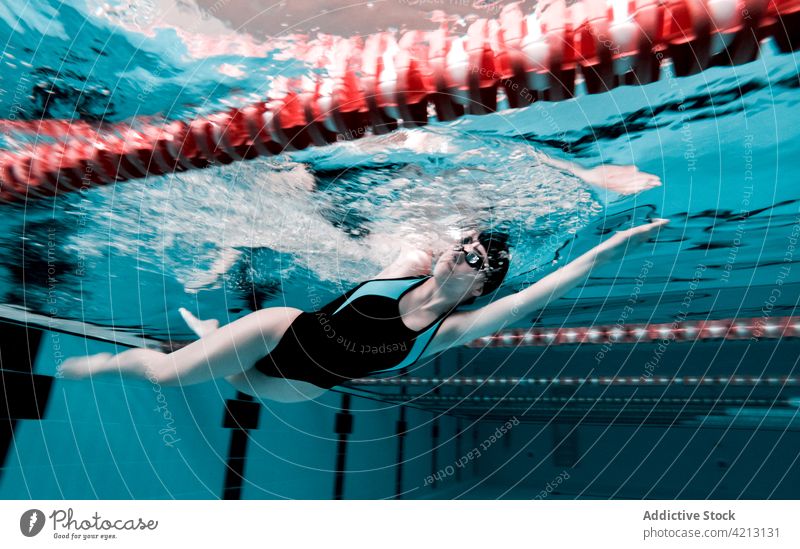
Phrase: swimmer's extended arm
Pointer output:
(620, 179)
(463, 327)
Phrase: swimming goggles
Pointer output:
(473, 259)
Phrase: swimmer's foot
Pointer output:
(201, 327)
(620, 179)
(83, 366)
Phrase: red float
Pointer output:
(384, 83)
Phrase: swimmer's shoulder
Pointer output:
(409, 263)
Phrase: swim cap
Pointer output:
(496, 245)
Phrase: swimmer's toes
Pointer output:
(72, 368)
(200, 327)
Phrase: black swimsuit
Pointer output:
(358, 334)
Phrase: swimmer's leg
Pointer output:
(256, 384)
(133, 361)
(226, 351)
(136, 361)
(166, 369)
(84, 366)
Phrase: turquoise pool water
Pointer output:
(281, 230)
(267, 231)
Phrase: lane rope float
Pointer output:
(753, 329)
(747, 381)
(381, 83)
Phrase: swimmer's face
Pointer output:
(453, 268)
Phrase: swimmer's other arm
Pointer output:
(624, 180)
(462, 327)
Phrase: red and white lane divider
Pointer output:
(382, 83)
(748, 381)
(754, 329)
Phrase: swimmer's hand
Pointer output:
(212, 277)
(622, 242)
(620, 179)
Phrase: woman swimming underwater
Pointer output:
(406, 313)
